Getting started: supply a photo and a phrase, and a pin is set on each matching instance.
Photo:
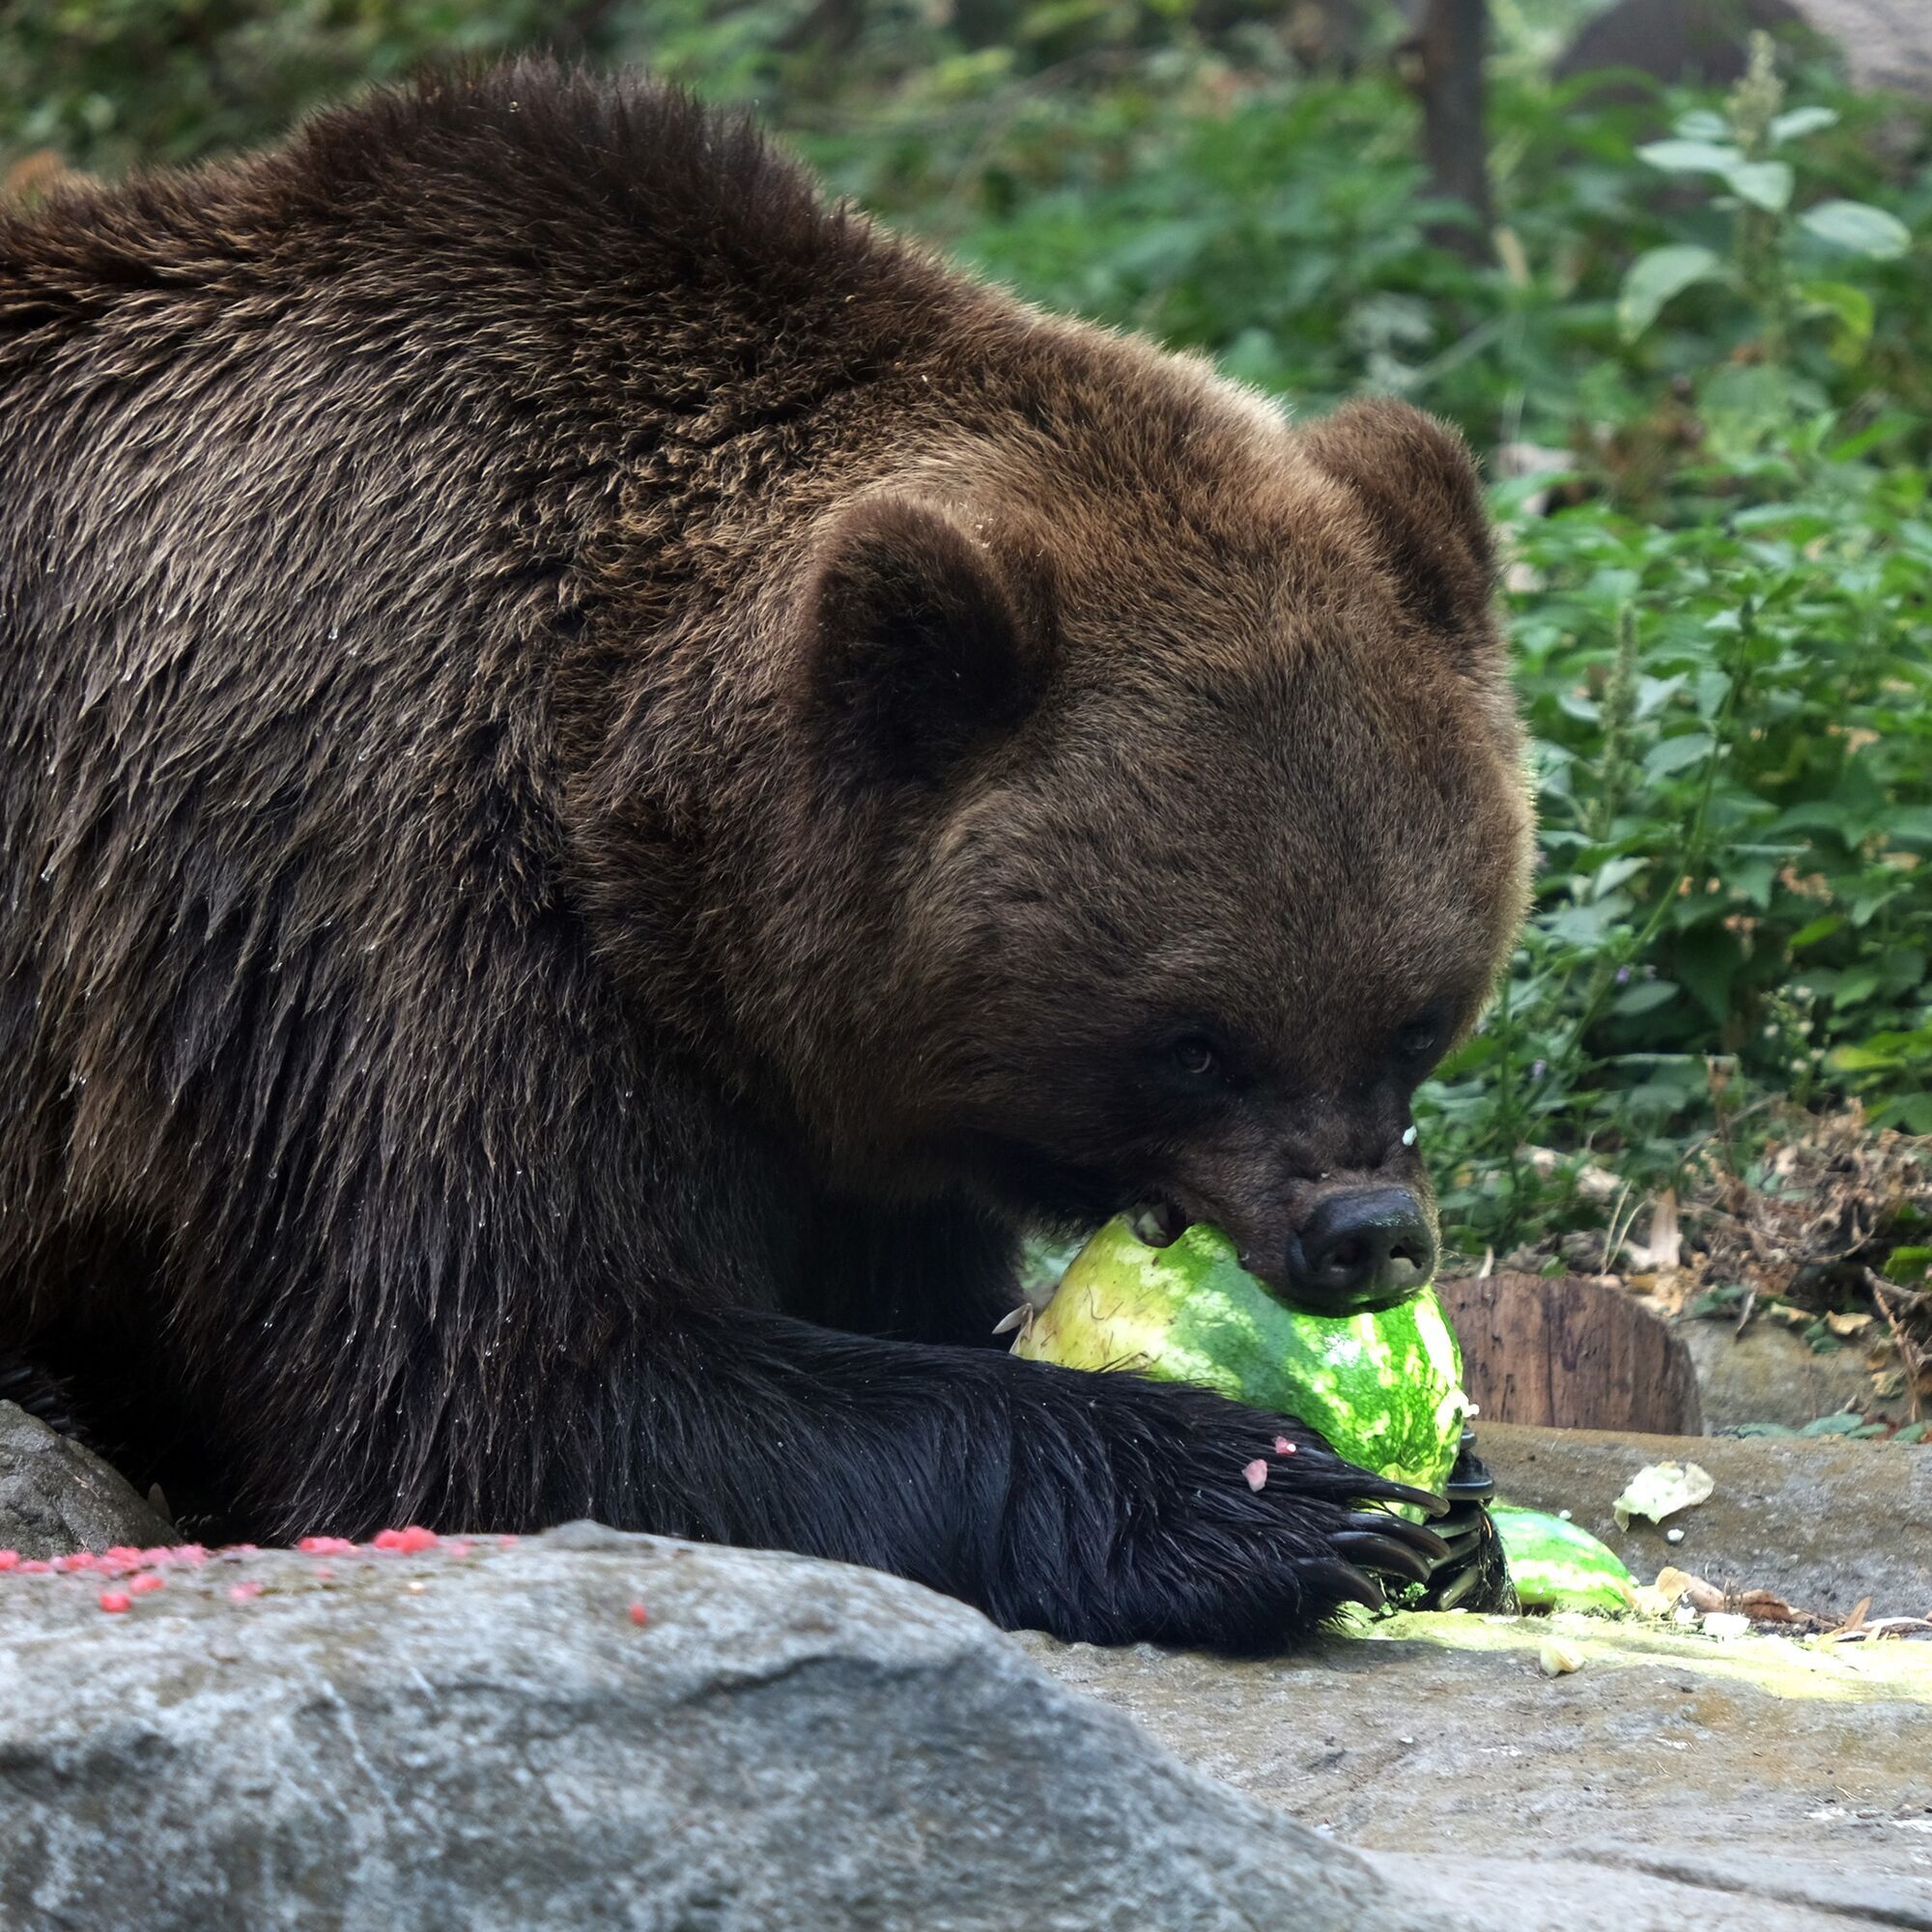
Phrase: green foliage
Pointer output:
(1713, 319)
(1766, 267)
(110, 82)
(1729, 685)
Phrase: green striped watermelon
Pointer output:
(1383, 1389)
(1556, 1566)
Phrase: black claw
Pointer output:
(1333, 1477)
(1431, 1505)
(1378, 1489)
(1384, 1553)
(1462, 1531)
(1349, 1585)
(1414, 1536)
(1457, 1589)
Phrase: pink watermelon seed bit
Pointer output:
(325, 1546)
(406, 1542)
(639, 1615)
(1283, 1446)
(116, 1601)
(240, 1593)
(148, 1579)
(1257, 1473)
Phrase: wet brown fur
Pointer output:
(610, 774)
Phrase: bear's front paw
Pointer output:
(1365, 1547)
(1295, 1535)
(1228, 1530)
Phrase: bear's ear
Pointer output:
(1417, 481)
(918, 642)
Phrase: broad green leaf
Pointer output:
(1911, 1112)
(1655, 277)
(1909, 821)
(1850, 307)
(1674, 754)
(1860, 227)
(1819, 928)
(1691, 157)
(1614, 872)
(1587, 925)
(1883, 1050)
(1644, 997)
(1800, 121)
(1854, 987)
(1707, 962)
(1766, 184)
(1818, 814)
(1701, 124)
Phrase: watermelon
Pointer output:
(1383, 1389)
(1556, 1566)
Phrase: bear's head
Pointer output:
(1166, 823)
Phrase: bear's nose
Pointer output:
(1361, 1248)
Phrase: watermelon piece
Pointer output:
(1556, 1566)
(1384, 1390)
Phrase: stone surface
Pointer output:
(1884, 43)
(481, 1736)
(1670, 1781)
(490, 1740)
(56, 1496)
(1769, 1374)
(1823, 1523)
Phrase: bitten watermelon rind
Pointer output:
(1383, 1389)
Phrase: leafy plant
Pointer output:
(1740, 150)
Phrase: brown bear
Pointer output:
(612, 780)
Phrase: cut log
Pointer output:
(1563, 1353)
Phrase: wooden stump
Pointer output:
(1567, 1354)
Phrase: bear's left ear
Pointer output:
(1417, 481)
(918, 642)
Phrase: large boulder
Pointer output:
(490, 1740)
(56, 1496)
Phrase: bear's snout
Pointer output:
(1359, 1248)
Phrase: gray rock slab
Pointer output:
(1582, 1894)
(1769, 1374)
(1885, 43)
(56, 1496)
(1823, 1523)
(489, 1741)
(1669, 1775)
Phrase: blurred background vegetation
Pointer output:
(1686, 320)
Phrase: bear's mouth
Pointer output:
(1158, 1224)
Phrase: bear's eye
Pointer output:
(1416, 1042)
(1420, 1042)
(1196, 1057)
